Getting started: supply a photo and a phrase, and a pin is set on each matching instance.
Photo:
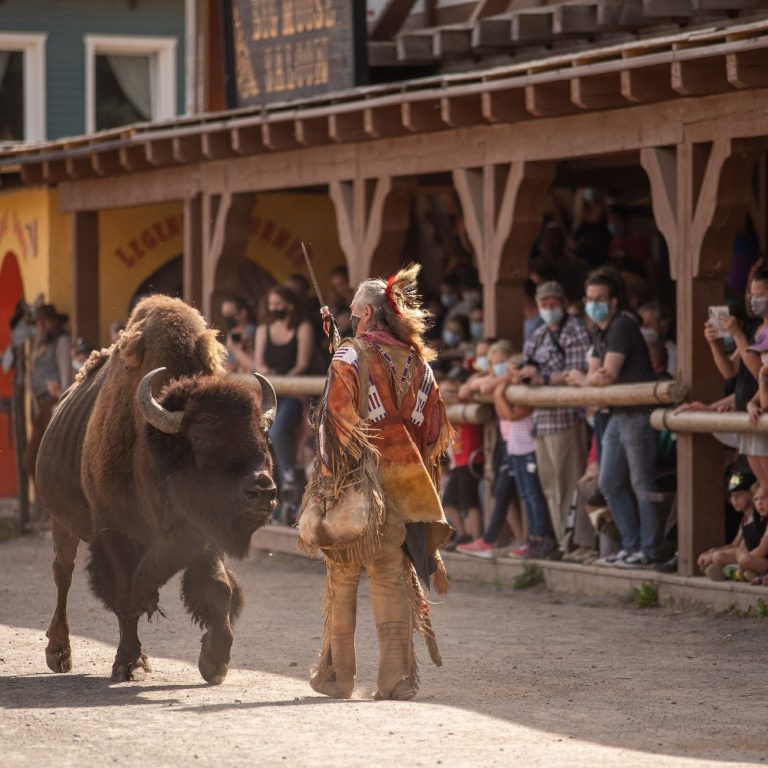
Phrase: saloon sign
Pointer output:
(287, 49)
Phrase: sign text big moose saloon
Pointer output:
(288, 49)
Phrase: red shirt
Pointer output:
(469, 444)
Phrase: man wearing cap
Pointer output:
(558, 345)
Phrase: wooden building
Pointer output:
(494, 102)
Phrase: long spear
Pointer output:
(329, 321)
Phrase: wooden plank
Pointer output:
(748, 69)
(390, 20)
(134, 158)
(106, 163)
(159, 152)
(452, 42)
(492, 33)
(32, 174)
(311, 132)
(532, 27)
(647, 84)
(381, 122)
(549, 99)
(78, 167)
(727, 5)
(416, 46)
(187, 149)
(460, 111)
(504, 106)
(346, 126)
(247, 140)
(193, 251)
(279, 136)
(575, 19)
(216, 145)
(697, 77)
(599, 92)
(54, 171)
(660, 165)
(667, 9)
(422, 116)
(619, 14)
(383, 54)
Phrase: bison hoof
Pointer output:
(213, 671)
(59, 659)
(132, 671)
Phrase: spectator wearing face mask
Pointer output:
(657, 320)
(456, 344)
(476, 325)
(629, 443)
(744, 365)
(240, 334)
(560, 344)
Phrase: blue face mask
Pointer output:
(477, 330)
(499, 369)
(597, 311)
(449, 300)
(552, 316)
(450, 338)
(481, 363)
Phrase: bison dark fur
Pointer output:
(154, 500)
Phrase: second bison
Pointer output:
(156, 485)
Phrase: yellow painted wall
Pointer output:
(280, 222)
(39, 235)
(133, 244)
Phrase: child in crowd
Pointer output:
(753, 563)
(461, 497)
(713, 561)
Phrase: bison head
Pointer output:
(208, 449)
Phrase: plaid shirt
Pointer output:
(555, 354)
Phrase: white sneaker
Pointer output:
(614, 559)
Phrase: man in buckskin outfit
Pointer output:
(382, 410)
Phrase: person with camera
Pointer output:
(558, 345)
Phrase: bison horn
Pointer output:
(161, 419)
(268, 398)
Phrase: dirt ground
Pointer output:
(529, 679)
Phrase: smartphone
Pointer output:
(715, 313)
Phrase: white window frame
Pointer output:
(162, 71)
(32, 47)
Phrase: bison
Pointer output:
(155, 486)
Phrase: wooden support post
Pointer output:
(699, 204)
(372, 218)
(215, 209)
(85, 275)
(193, 251)
(503, 210)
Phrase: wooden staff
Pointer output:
(292, 386)
(707, 421)
(616, 395)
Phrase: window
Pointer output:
(22, 87)
(128, 80)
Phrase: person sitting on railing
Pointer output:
(629, 443)
(750, 533)
(284, 344)
(560, 344)
(744, 364)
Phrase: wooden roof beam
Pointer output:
(216, 145)
(667, 9)
(32, 173)
(346, 127)
(727, 5)
(416, 46)
(187, 149)
(106, 163)
(577, 19)
(549, 99)
(452, 42)
(133, 158)
(54, 171)
(748, 69)
(246, 140)
(159, 152)
(312, 131)
(382, 122)
(390, 19)
(504, 106)
(278, 135)
(598, 92)
(697, 77)
(647, 84)
(78, 167)
(532, 27)
(619, 14)
(492, 33)
(461, 111)
(422, 116)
